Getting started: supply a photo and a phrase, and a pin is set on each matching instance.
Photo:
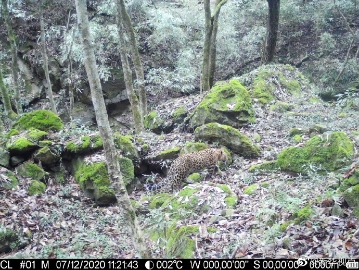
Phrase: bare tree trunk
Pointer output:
(127, 73)
(104, 127)
(6, 99)
(140, 82)
(14, 63)
(46, 62)
(272, 31)
(213, 47)
(209, 52)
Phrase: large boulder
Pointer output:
(42, 119)
(326, 152)
(229, 137)
(228, 103)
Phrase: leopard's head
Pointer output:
(221, 155)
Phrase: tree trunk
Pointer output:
(113, 167)
(272, 31)
(209, 47)
(127, 73)
(6, 99)
(14, 63)
(140, 82)
(213, 47)
(206, 47)
(46, 62)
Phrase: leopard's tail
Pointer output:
(154, 187)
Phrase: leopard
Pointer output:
(186, 164)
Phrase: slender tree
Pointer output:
(13, 48)
(45, 59)
(213, 47)
(113, 167)
(140, 77)
(127, 73)
(272, 31)
(208, 64)
(6, 99)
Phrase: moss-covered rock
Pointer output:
(8, 179)
(167, 154)
(31, 170)
(155, 123)
(194, 177)
(265, 166)
(281, 107)
(193, 147)
(47, 156)
(179, 114)
(94, 181)
(229, 137)
(9, 240)
(228, 103)
(295, 131)
(42, 119)
(4, 157)
(36, 187)
(351, 196)
(20, 145)
(327, 153)
(84, 145)
(125, 144)
(271, 82)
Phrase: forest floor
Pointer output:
(62, 223)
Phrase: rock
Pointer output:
(31, 170)
(228, 103)
(36, 187)
(47, 156)
(351, 196)
(42, 120)
(4, 158)
(327, 152)
(229, 137)
(157, 124)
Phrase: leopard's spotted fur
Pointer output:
(187, 164)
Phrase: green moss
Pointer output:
(303, 214)
(152, 121)
(36, 134)
(297, 138)
(283, 227)
(187, 192)
(12, 132)
(292, 86)
(96, 173)
(20, 145)
(169, 154)
(265, 185)
(265, 166)
(223, 99)
(295, 131)
(195, 177)
(31, 170)
(281, 107)
(145, 148)
(342, 115)
(159, 200)
(44, 143)
(127, 170)
(193, 147)
(262, 91)
(124, 143)
(329, 152)
(251, 189)
(13, 180)
(351, 196)
(257, 137)
(179, 114)
(42, 119)
(97, 141)
(36, 187)
(231, 199)
(212, 230)
(85, 144)
(9, 240)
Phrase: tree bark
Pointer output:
(272, 31)
(127, 73)
(209, 52)
(46, 62)
(14, 63)
(113, 167)
(140, 82)
(6, 99)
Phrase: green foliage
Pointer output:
(251, 189)
(303, 214)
